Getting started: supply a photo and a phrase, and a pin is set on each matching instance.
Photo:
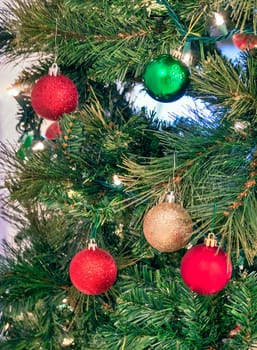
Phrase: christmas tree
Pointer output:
(133, 232)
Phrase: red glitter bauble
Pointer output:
(53, 131)
(206, 270)
(245, 41)
(93, 271)
(53, 96)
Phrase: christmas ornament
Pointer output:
(93, 270)
(167, 227)
(53, 95)
(245, 41)
(205, 268)
(234, 331)
(53, 131)
(166, 78)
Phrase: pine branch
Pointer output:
(118, 49)
(228, 86)
(156, 311)
(213, 169)
(42, 328)
(61, 196)
(242, 309)
(242, 12)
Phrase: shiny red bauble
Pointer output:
(53, 96)
(93, 271)
(53, 131)
(245, 41)
(206, 270)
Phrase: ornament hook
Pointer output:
(92, 244)
(210, 240)
(170, 196)
(214, 216)
(55, 41)
(53, 70)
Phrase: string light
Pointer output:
(71, 194)
(240, 125)
(186, 56)
(38, 146)
(119, 231)
(220, 23)
(67, 342)
(116, 180)
(219, 19)
(13, 90)
(16, 89)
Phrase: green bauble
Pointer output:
(166, 78)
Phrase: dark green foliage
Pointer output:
(156, 311)
(60, 198)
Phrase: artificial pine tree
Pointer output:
(111, 162)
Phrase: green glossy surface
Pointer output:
(28, 141)
(25, 147)
(166, 78)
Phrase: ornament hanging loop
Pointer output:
(170, 195)
(53, 70)
(55, 41)
(213, 216)
(92, 244)
(210, 240)
(92, 237)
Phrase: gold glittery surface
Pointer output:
(167, 227)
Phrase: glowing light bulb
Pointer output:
(13, 91)
(67, 342)
(186, 55)
(38, 146)
(187, 59)
(71, 194)
(220, 26)
(219, 19)
(116, 180)
(240, 125)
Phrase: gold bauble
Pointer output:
(167, 227)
